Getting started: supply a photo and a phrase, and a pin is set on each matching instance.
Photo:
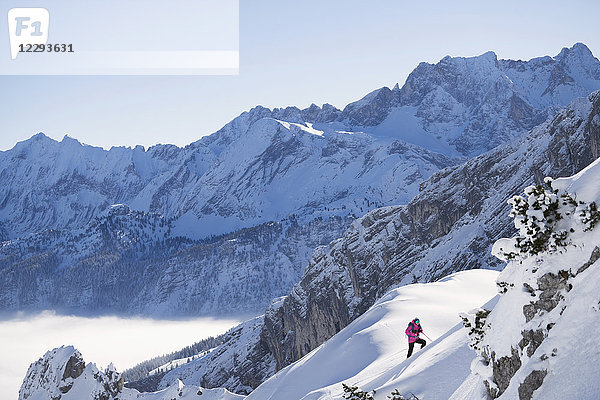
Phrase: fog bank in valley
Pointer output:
(102, 340)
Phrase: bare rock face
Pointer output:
(533, 381)
(550, 286)
(74, 367)
(504, 369)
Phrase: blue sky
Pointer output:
(291, 53)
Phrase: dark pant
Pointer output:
(411, 346)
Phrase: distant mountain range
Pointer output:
(229, 222)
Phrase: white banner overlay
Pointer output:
(151, 37)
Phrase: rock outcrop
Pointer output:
(62, 374)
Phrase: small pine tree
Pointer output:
(396, 395)
(476, 323)
(589, 215)
(354, 393)
(536, 216)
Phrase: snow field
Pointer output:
(371, 351)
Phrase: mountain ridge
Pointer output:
(317, 164)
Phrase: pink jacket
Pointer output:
(413, 331)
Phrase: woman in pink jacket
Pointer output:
(412, 331)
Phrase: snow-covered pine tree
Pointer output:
(354, 393)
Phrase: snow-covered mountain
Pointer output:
(346, 278)
(128, 262)
(321, 165)
(267, 164)
(256, 169)
(470, 105)
(537, 342)
(63, 374)
(309, 183)
(450, 226)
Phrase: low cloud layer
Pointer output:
(122, 341)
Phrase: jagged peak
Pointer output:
(258, 108)
(39, 137)
(69, 139)
(578, 49)
(489, 59)
(38, 141)
(369, 97)
(62, 373)
(488, 55)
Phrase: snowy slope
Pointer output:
(371, 351)
(539, 342)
